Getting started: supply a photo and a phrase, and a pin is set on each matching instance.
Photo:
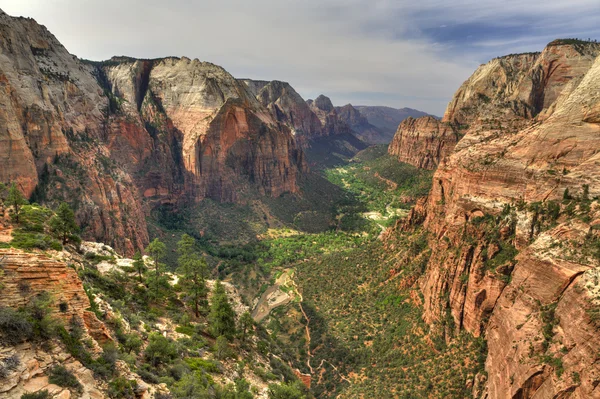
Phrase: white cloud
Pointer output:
(345, 49)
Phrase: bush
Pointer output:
(286, 391)
(26, 240)
(160, 350)
(122, 388)
(37, 395)
(14, 327)
(64, 378)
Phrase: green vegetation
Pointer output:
(63, 223)
(38, 226)
(64, 378)
(43, 394)
(381, 182)
(366, 331)
(193, 271)
(286, 391)
(221, 316)
(16, 200)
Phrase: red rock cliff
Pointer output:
(112, 137)
(423, 142)
(530, 130)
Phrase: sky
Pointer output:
(401, 53)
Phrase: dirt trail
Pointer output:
(310, 355)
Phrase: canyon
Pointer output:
(506, 240)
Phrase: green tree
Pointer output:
(133, 343)
(242, 389)
(63, 223)
(16, 200)
(160, 350)
(157, 250)
(286, 391)
(246, 324)
(138, 264)
(221, 316)
(192, 266)
(222, 348)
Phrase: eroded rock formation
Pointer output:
(423, 142)
(106, 136)
(528, 136)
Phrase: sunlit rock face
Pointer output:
(117, 137)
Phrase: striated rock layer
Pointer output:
(423, 142)
(530, 131)
(106, 136)
(26, 275)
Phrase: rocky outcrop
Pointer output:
(26, 275)
(504, 96)
(494, 271)
(287, 107)
(309, 120)
(111, 138)
(423, 142)
(327, 114)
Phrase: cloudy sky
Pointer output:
(401, 53)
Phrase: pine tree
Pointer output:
(63, 223)
(192, 266)
(138, 264)
(156, 249)
(246, 325)
(16, 200)
(221, 316)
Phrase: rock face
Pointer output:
(529, 134)
(332, 124)
(213, 135)
(308, 120)
(361, 126)
(287, 107)
(51, 125)
(26, 275)
(423, 142)
(111, 138)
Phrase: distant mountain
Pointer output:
(362, 128)
(388, 118)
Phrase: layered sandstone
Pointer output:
(423, 142)
(529, 133)
(27, 275)
(52, 119)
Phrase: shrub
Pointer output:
(37, 395)
(14, 327)
(64, 378)
(122, 388)
(27, 240)
(286, 391)
(160, 350)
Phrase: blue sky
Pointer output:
(367, 52)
